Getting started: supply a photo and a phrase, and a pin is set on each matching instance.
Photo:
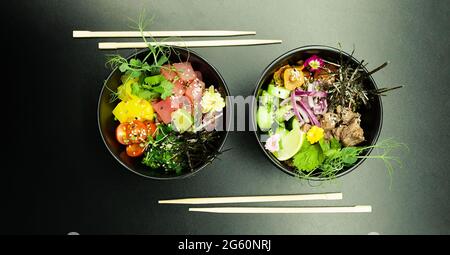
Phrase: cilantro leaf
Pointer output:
(162, 60)
(123, 67)
(167, 88)
(350, 155)
(143, 93)
(135, 62)
(135, 74)
(153, 80)
(330, 148)
(149, 92)
(335, 144)
(324, 145)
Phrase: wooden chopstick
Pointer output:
(252, 199)
(339, 209)
(190, 44)
(155, 34)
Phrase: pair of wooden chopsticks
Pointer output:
(252, 199)
(158, 34)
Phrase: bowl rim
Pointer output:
(292, 52)
(183, 176)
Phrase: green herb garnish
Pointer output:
(150, 91)
(309, 157)
(336, 158)
(143, 69)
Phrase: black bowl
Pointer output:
(371, 115)
(107, 125)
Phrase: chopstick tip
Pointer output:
(107, 45)
(363, 208)
(79, 33)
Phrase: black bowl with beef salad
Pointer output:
(318, 112)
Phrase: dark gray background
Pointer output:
(60, 178)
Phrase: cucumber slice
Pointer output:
(279, 114)
(264, 118)
(293, 124)
(182, 120)
(281, 131)
(265, 99)
(278, 91)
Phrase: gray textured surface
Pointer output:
(102, 197)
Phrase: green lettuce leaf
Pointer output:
(309, 157)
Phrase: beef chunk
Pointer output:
(329, 121)
(352, 134)
(347, 127)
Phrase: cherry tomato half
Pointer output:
(137, 131)
(122, 134)
(135, 149)
(151, 128)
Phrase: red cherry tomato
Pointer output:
(137, 131)
(122, 135)
(151, 128)
(135, 149)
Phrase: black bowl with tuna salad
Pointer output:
(371, 114)
(107, 125)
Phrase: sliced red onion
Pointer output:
(325, 105)
(303, 114)
(308, 103)
(310, 114)
(310, 98)
(294, 107)
(321, 107)
(299, 92)
(285, 101)
(289, 115)
(317, 108)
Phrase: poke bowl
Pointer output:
(316, 113)
(161, 112)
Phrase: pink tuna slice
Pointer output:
(195, 89)
(199, 75)
(185, 71)
(178, 89)
(181, 102)
(164, 110)
(167, 72)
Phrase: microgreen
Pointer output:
(157, 56)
